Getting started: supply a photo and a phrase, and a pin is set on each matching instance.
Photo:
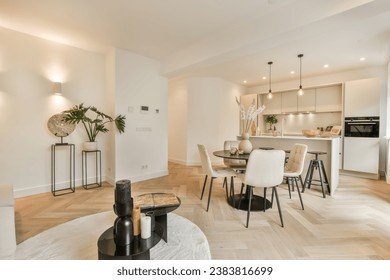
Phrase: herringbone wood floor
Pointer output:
(353, 224)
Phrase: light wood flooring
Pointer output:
(353, 224)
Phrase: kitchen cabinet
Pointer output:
(307, 101)
(289, 102)
(362, 98)
(273, 106)
(329, 99)
(361, 154)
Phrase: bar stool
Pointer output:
(316, 164)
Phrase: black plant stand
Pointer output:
(71, 188)
(98, 169)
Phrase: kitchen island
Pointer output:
(330, 145)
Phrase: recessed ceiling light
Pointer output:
(362, 59)
(244, 82)
(326, 65)
(292, 72)
(264, 78)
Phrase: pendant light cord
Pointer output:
(270, 63)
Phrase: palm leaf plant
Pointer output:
(93, 120)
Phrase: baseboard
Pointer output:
(148, 176)
(360, 174)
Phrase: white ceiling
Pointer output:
(231, 39)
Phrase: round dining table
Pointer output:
(257, 203)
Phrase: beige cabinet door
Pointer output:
(273, 106)
(307, 101)
(329, 99)
(289, 102)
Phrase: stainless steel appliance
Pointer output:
(361, 145)
(361, 127)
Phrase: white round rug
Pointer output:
(77, 240)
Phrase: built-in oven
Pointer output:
(361, 127)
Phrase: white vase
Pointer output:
(245, 145)
(90, 146)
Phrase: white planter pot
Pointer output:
(90, 146)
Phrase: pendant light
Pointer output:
(269, 95)
(300, 91)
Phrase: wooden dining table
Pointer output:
(233, 199)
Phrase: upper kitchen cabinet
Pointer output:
(329, 99)
(307, 101)
(289, 102)
(361, 98)
(273, 106)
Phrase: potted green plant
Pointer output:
(94, 122)
(271, 119)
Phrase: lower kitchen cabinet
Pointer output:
(361, 154)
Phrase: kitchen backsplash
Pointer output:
(295, 123)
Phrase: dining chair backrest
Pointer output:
(265, 168)
(205, 159)
(296, 160)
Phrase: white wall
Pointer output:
(28, 66)
(212, 116)
(142, 151)
(177, 121)
(112, 83)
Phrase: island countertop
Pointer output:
(329, 145)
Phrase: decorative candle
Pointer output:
(136, 221)
(146, 227)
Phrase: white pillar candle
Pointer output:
(146, 227)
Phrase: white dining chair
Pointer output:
(294, 167)
(264, 170)
(213, 173)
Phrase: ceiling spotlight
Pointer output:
(362, 59)
(264, 78)
(244, 82)
(300, 91)
(292, 72)
(326, 65)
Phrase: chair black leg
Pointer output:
(265, 199)
(225, 185)
(204, 186)
(239, 201)
(249, 205)
(300, 179)
(289, 186)
(232, 191)
(277, 202)
(299, 193)
(211, 187)
(272, 197)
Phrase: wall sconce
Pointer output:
(57, 88)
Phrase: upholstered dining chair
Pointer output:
(294, 167)
(264, 170)
(236, 164)
(213, 173)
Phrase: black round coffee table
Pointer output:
(139, 249)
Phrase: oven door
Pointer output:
(361, 128)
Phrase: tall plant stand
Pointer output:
(98, 169)
(71, 188)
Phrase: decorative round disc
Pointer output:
(57, 125)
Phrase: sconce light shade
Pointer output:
(57, 88)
